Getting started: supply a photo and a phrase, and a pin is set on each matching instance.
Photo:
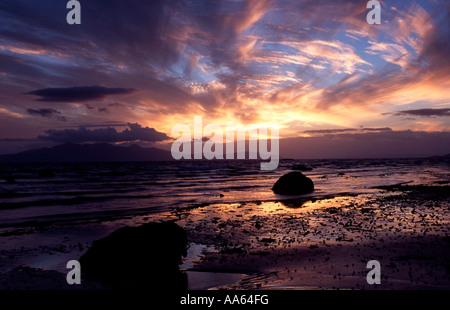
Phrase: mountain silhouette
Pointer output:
(70, 152)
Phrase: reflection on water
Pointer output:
(201, 280)
(237, 226)
(94, 190)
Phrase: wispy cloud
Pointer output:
(317, 63)
(48, 113)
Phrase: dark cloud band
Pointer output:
(47, 113)
(79, 93)
(346, 130)
(134, 132)
(424, 112)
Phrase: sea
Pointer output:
(33, 193)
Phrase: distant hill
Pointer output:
(70, 152)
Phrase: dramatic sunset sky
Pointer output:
(133, 69)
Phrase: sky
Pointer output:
(316, 69)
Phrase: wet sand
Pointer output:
(311, 243)
(326, 244)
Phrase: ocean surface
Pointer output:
(52, 192)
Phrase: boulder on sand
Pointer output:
(293, 183)
(10, 179)
(46, 174)
(143, 257)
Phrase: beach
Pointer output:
(220, 146)
(319, 241)
(317, 247)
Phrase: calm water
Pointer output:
(55, 192)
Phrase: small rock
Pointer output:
(10, 179)
(301, 168)
(46, 174)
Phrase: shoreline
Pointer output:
(306, 243)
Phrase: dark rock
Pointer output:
(293, 183)
(301, 168)
(365, 210)
(267, 240)
(46, 174)
(10, 179)
(143, 257)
